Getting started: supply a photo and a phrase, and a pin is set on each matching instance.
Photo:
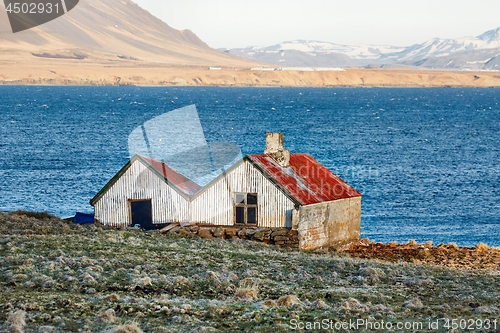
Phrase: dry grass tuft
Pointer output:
(145, 281)
(319, 304)
(372, 274)
(212, 275)
(269, 303)
(164, 299)
(181, 280)
(87, 278)
(371, 271)
(288, 300)
(16, 321)
(412, 243)
(482, 247)
(380, 308)
(112, 298)
(352, 304)
(38, 215)
(107, 316)
(453, 245)
(90, 291)
(414, 304)
(128, 328)
(491, 310)
(247, 292)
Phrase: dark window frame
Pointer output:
(246, 206)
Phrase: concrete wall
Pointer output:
(329, 224)
(214, 205)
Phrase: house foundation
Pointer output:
(276, 236)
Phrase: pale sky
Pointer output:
(238, 23)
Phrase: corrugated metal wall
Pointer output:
(216, 204)
(138, 182)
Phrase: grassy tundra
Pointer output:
(60, 277)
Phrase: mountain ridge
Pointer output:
(425, 55)
(115, 42)
(111, 31)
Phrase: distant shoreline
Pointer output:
(242, 87)
(71, 73)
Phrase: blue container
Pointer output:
(82, 218)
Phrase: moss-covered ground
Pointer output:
(59, 277)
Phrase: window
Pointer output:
(245, 210)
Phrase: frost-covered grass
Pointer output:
(58, 277)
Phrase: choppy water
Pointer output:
(426, 160)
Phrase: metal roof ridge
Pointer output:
(216, 179)
(252, 158)
(176, 187)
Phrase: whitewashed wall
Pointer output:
(138, 182)
(215, 205)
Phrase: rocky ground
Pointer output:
(60, 277)
(450, 255)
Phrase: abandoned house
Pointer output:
(275, 190)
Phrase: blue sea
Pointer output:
(426, 160)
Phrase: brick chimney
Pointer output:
(275, 149)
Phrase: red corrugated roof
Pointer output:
(172, 176)
(306, 180)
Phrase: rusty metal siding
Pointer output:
(139, 182)
(216, 204)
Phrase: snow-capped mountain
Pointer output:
(351, 50)
(481, 52)
(490, 35)
(315, 53)
(438, 47)
(480, 59)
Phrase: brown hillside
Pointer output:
(110, 31)
(115, 42)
